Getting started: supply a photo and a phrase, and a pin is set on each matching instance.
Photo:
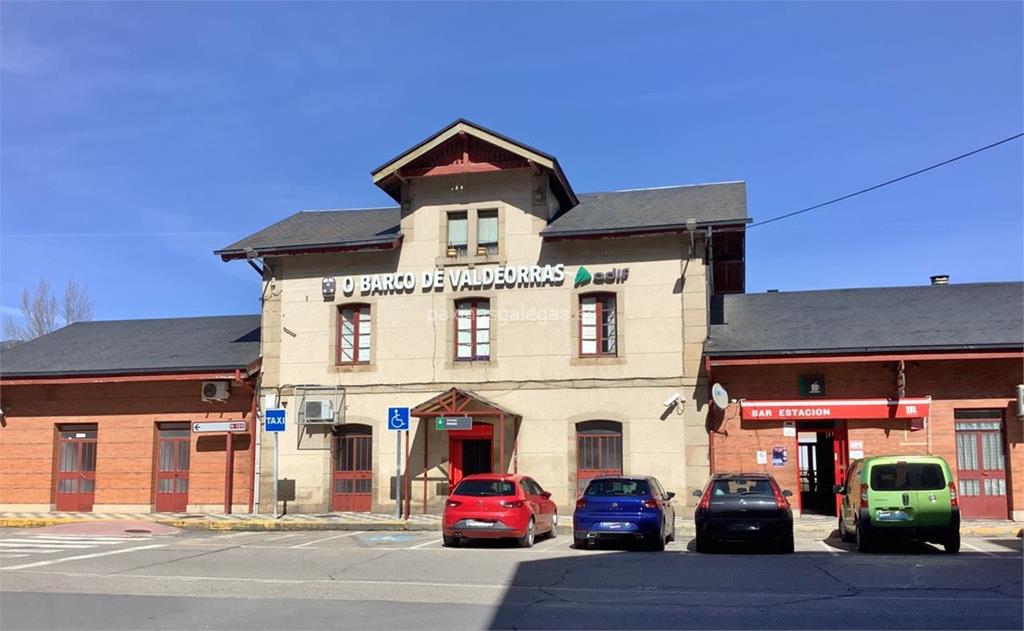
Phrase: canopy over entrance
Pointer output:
(457, 402)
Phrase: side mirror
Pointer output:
(670, 495)
(839, 489)
(546, 494)
(787, 493)
(697, 493)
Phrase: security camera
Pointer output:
(672, 400)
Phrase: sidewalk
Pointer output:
(810, 525)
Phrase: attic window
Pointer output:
(458, 233)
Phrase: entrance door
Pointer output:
(172, 459)
(353, 470)
(598, 451)
(824, 457)
(981, 464)
(76, 467)
(470, 451)
(841, 455)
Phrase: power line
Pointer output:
(892, 181)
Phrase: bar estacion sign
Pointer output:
(837, 409)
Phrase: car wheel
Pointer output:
(864, 542)
(845, 534)
(451, 542)
(702, 544)
(526, 541)
(952, 542)
(658, 545)
(672, 537)
(554, 527)
(580, 543)
(786, 545)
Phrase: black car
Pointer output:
(743, 507)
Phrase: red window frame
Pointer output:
(356, 308)
(474, 304)
(599, 310)
(598, 451)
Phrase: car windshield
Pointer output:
(741, 486)
(906, 476)
(618, 487)
(484, 488)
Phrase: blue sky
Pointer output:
(139, 137)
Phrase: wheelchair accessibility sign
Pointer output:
(398, 418)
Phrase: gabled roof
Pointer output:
(458, 401)
(167, 345)
(313, 230)
(618, 212)
(383, 175)
(966, 316)
(652, 209)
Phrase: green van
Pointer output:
(910, 497)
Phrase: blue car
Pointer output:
(632, 509)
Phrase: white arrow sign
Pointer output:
(226, 426)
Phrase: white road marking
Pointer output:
(829, 549)
(912, 594)
(977, 549)
(235, 534)
(101, 538)
(81, 557)
(294, 534)
(29, 551)
(424, 544)
(347, 534)
(28, 543)
(11, 555)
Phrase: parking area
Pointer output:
(355, 579)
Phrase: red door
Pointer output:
(353, 470)
(76, 468)
(598, 451)
(172, 458)
(470, 451)
(841, 451)
(981, 468)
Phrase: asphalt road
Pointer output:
(379, 580)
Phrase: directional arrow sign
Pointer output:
(453, 423)
(220, 426)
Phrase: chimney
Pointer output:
(940, 279)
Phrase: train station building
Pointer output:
(567, 327)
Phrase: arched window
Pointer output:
(354, 334)
(473, 329)
(598, 325)
(598, 451)
(353, 468)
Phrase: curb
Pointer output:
(1011, 530)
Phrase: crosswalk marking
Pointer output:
(24, 544)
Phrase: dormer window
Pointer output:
(458, 234)
(487, 232)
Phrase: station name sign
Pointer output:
(463, 278)
(837, 410)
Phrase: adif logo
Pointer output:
(582, 277)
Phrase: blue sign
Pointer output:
(398, 418)
(273, 420)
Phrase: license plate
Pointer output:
(893, 515)
(613, 525)
(745, 526)
(476, 523)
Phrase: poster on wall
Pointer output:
(789, 429)
(762, 456)
(779, 456)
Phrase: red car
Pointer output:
(494, 506)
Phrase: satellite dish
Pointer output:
(719, 396)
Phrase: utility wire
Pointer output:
(893, 181)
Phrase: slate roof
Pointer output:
(321, 229)
(946, 317)
(640, 210)
(166, 345)
(653, 208)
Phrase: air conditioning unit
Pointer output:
(319, 411)
(216, 390)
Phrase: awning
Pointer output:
(826, 409)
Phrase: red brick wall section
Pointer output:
(126, 416)
(972, 384)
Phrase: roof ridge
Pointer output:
(200, 317)
(851, 289)
(334, 210)
(668, 186)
